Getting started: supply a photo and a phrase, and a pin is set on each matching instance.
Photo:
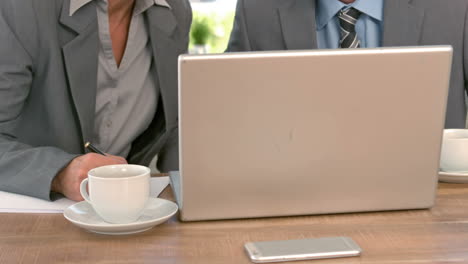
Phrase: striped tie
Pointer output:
(348, 19)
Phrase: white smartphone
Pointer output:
(303, 249)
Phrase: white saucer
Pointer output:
(453, 177)
(157, 211)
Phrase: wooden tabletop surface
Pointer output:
(438, 235)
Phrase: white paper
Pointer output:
(15, 203)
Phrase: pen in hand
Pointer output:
(92, 148)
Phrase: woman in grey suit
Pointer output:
(73, 71)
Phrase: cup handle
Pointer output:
(83, 191)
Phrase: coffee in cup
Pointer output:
(454, 154)
(118, 193)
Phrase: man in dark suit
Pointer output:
(73, 71)
(311, 24)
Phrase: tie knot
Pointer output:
(349, 17)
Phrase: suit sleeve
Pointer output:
(239, 40)
(24, 169)
(465, 53)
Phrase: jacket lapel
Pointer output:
(162, 27)
(402, 23)
(297, 20)
(80, 51)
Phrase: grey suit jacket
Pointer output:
(48, 78)
(290, 25)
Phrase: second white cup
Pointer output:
(118, 193)
(454, 154)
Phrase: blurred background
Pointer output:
(211, 25)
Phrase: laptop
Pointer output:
(286, 133)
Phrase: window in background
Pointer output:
(211, 25)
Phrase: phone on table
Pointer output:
(302, 249)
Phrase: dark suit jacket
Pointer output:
(290, 25)
(48, 78)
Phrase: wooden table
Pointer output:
(439, 235)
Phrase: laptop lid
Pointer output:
(310, 132)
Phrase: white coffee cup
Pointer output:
(118, 193)
(454, 154)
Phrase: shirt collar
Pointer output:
(140, 5)
(327, 9)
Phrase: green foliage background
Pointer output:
(212, 29)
